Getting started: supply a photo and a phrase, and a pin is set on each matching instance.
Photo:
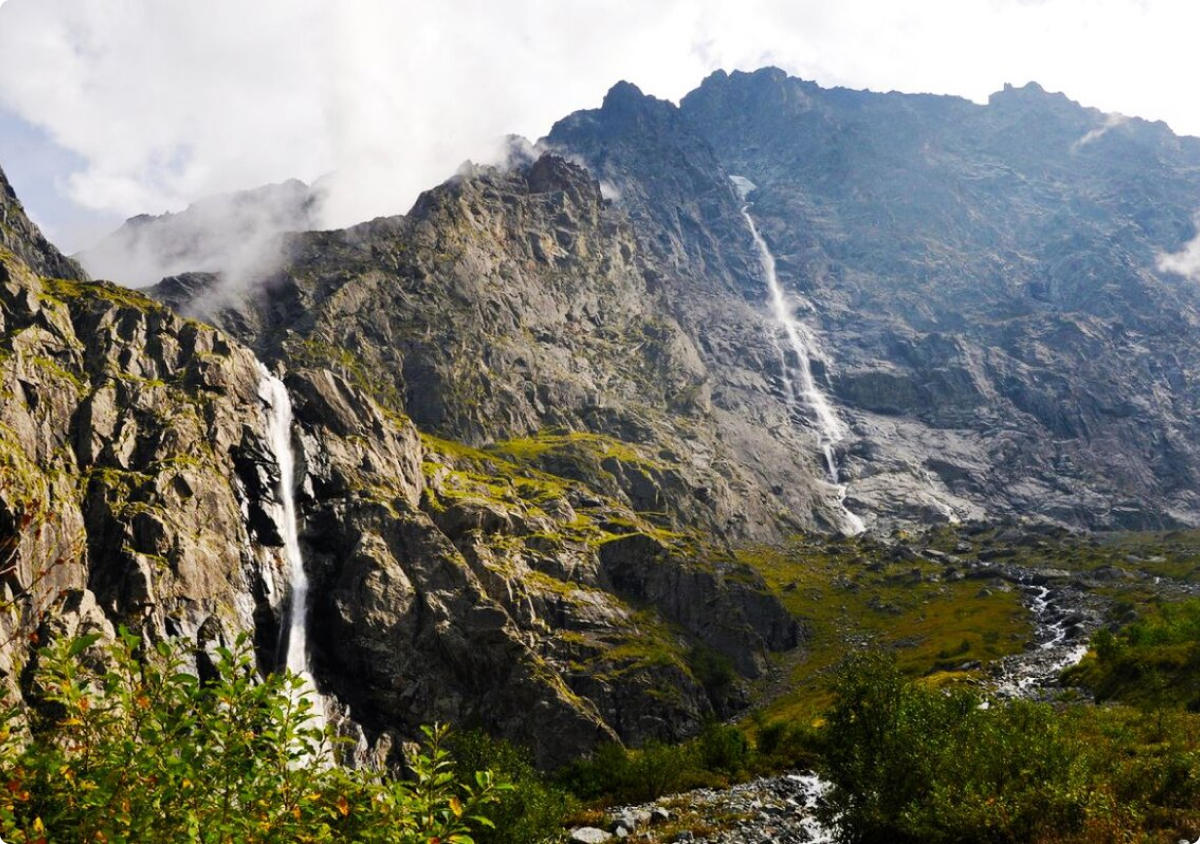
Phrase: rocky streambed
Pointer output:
(777, 809)
(1067, 608)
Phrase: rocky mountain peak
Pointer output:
(624, 97)
(21, 237)
(553, 173)
(624, 107)
(1033, 98)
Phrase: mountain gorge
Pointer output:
(538, 415)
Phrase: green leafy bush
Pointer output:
(723, 748)
(713, 670)
(912, 764)
(1152, 663)
(783, 745)
(615, 774)
(533, 811)
(127, 746)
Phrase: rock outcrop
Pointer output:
(125, 437)
(24, 240)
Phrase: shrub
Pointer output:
(1153, 663)
(782, 745)
(714, 671)
(912, 764)
(614, 774)
(532, 812)
(125, 745)
(723, 748)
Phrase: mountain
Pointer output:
(542, 588)
(538, 417)
(985, 280)
(21, 239)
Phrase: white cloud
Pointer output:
(168, 100)
(1111, 121)
(1185, 262)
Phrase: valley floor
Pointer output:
(1022, 605)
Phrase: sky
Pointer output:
(110, 108)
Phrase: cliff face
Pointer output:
(542, 588)
(121, 433)
(513, 305)
(22, 239)
(984, 281)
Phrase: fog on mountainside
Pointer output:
(235, 234)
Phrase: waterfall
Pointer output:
(279, 436)
(803, 395)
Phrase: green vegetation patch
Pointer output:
(131, 746)
(851, 593)
(911, 764)
(647, 643)
(1151, 663)
(65, 290)
(513, 483)
(78, 384)
(559, 441)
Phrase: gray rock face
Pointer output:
(122, 483)
(448, 583)
(984, 283)
(987, 282)
(22, 238)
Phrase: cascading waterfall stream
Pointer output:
(804, 396)
(279, 435)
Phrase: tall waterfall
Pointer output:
(279, 433)
(803, 394)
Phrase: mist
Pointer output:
(1185, 262)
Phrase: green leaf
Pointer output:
(81, 644)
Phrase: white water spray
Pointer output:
(802, 391)
(279, 434)
(815, 790)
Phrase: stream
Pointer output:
(1064, 620)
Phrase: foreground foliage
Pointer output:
(532, 811)
(911, 764)
(127, 746)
